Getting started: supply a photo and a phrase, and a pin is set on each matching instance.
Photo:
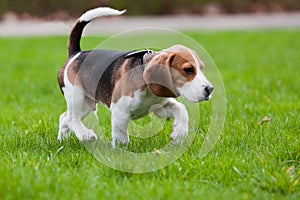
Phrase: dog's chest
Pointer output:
(140, 105)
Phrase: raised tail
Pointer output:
(75, 35)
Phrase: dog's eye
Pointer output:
(189, 70)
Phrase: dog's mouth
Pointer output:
(197, 100)
(205, 98)
(208, 97)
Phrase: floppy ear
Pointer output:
(157, 75)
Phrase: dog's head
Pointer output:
(177, 71)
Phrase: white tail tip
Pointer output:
(99, 12)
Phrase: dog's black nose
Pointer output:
(209, 89)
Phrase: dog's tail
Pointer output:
(75, 35)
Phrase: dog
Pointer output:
(130, 84)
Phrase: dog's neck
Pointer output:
(148, 57)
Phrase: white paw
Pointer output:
(64, 131)
(63, 134)
(179, 133)
(88, 136)
(121, 139)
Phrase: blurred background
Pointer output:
(66, 9)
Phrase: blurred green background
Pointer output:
(70, 8)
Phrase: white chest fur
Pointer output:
(139, 105)
(143, 102)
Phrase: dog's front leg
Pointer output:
(119, 124)
(177, 111)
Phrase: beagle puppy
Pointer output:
(131, 84)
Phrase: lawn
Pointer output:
(251, 160)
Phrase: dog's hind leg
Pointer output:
(78, 109)
(64, 131)
(119, 122)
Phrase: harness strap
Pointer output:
(139, 54)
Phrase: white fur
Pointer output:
(77, 109)
(129, 108)
(99, 12)
(194, 90)
(177, 111)
(144, 102)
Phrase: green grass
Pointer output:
(260, 70)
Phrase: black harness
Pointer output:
(138, 54)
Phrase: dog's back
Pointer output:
(84, 58)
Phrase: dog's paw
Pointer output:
(179, 133)
(88, 136)
(120, 140)
(63, 134)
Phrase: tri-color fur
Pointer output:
(131, 84)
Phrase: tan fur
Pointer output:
(127, 81)
(60, 75)
(165, 72)
(72, 73)
(157, 75)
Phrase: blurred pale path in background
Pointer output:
(179, 23)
